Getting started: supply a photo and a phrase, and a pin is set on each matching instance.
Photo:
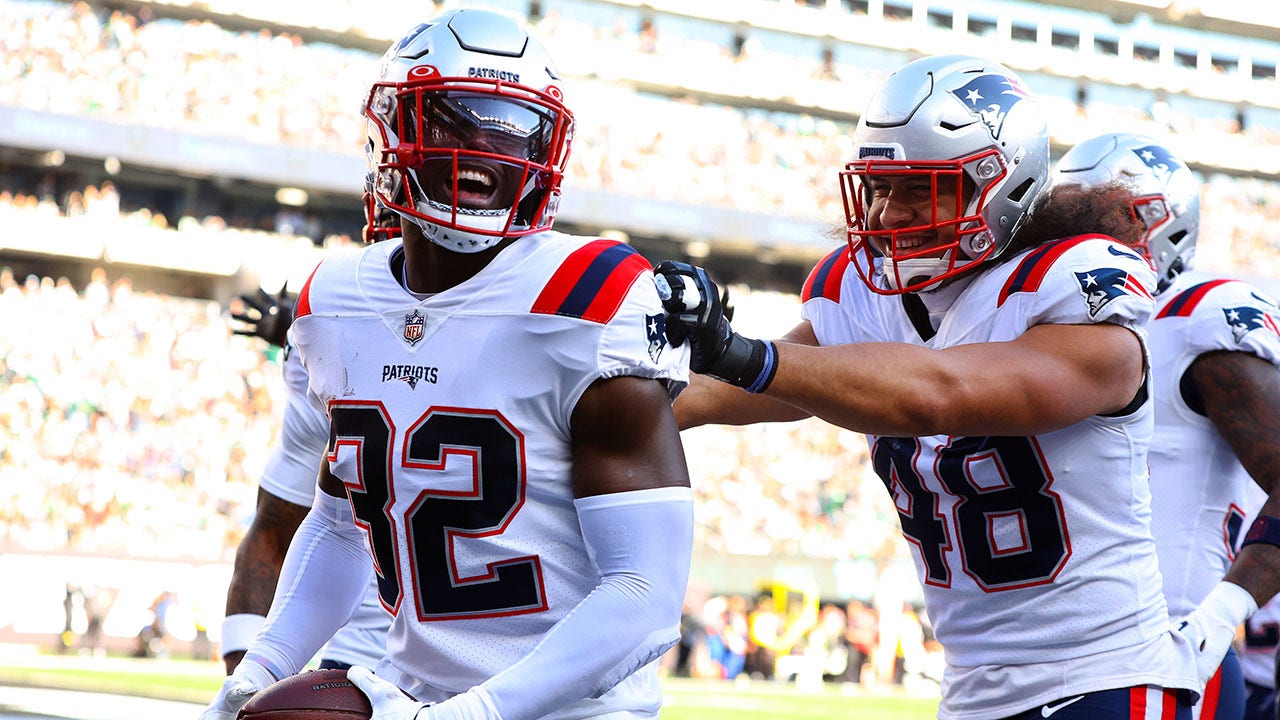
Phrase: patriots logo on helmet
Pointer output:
(1160, 160)
(414, 325)
(655, 328)
(1244, 320)
(990, 97)
(1103, 285)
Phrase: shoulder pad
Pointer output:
(592, 281)
(1032, 268)
(1185, 302)
(826, 277)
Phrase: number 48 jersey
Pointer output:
(1035, 553)
(450, 428)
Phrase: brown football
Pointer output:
(311, 695)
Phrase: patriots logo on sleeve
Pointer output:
(990, 97)
(1160, 160)
(655, 328)
(1244, 320)
(1103, 285)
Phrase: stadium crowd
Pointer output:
(274, 88)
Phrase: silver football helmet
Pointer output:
(960, 129)
(1164, 196)
(467, 134)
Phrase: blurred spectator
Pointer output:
(763, 624)
(859, 638)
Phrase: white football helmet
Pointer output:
(963, 127)
(467, 133)
(1164, 196)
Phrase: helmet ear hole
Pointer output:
(1020, 191)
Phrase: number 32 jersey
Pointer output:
(450, 428)
(1035, 553)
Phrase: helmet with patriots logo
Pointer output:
(1163, 194)
(963, 130)
(467, 134)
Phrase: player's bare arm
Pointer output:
(1049, 377)
(258, 560)
(330, 484)
(625, 438)
(1241, 394)
(708, 402)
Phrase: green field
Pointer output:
(685, 699)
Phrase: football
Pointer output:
(311, 695)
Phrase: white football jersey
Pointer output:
(450, 420)
(1035, 553)
(291, 476)
(1199, 489)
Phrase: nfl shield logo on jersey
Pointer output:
(414, 324)
(655, 328)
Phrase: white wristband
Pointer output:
(239, 630)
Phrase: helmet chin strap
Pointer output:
(915, 270)
(460, 241)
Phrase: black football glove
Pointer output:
(698, 312)
(270, 317)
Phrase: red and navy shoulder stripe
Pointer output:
(1185, 302)
(303, 306)
(1032, 268)
(826, 277)
(592, 282)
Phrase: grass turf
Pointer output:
(196, 681)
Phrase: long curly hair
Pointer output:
(1066, 210)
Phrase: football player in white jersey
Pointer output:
(1000, 372)
(1215, 348)
(503, 458)
(285, 491)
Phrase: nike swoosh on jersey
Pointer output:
(1048, 710)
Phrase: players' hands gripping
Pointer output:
(248, 678)
(1211, 627)
(389, 702)
(698, 312)
(265, 316)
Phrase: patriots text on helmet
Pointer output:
(492, 74)
(888, 152)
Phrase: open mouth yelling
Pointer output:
(477, 187)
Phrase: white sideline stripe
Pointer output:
(75, 705)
